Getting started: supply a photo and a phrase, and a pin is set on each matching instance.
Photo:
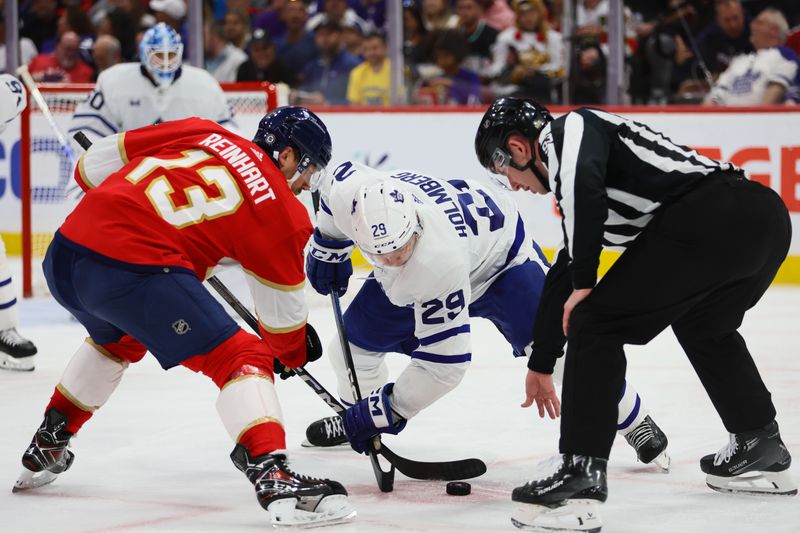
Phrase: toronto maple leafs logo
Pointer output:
(396, 196)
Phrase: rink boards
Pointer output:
(766, 142)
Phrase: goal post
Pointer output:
(46, 168)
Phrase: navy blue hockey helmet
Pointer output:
(504, 117)
(298, 128)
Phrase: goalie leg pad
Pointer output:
(248, 401)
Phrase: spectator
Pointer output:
(263, 63)
(325, 79)
(120, 25)
(170, 12)
(237, 27)
(106, 53)
(271, 20)
(339, 12)
(64, 65)
(39, 23)
(498, 14)
(727, 37)
(222, 58)
(763, 76)
(296, 46)
(27, 50)
(528, 59)
(373, 12)
(353, 38)
(370, 82)
(436, 15)
(415, 37)
(76, 19)
(456, 85)
(480, 36)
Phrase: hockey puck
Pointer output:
(458, 488)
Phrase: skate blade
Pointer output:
(331, 510)
(17, 364)
(574, 515)
(756, 483)
(662, 461)
(29, 479)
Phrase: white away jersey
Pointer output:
(746, 79)
(471, 232)
(12, 99)
(124, 98)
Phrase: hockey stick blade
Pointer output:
(435, 471)
(431, 471)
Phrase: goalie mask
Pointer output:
(384, 222)
(161, 53)
(301, 129)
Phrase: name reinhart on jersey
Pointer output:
(257, 184)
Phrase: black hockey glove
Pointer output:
(313, 352)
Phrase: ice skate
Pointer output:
(47, 456)
(650, 443)
(325, 433)
(753, 462)
(567, 500)
(293, 500)
(16, 352)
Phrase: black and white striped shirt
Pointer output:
(610, 174)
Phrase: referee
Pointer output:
(682, 219)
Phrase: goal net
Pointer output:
(48, 192)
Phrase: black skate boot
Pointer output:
(292, 499)
(650, 443)
(16, 352)
(567, 500)
(325, 433)
(47, 455)
(753, 462)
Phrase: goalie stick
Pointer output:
(432, 471)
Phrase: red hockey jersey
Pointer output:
(191, 194)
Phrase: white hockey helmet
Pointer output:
(384, 219)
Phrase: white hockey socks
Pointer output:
(91, 377)
(631, 412)
(247, 401)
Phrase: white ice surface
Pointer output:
(155, 458)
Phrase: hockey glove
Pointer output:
(371, 416)
(328, 264)
(313, 352)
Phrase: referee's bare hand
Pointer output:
(577, 296)
(540, 388)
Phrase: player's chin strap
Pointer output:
(530, 165)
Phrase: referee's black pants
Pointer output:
(699, 265)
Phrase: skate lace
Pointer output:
(725, 454)
(547, 469)
(11, 337)
(640, 435)
(333, 427)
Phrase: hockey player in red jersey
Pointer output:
(164, 205)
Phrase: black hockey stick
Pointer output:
(385, 479)
(430, 471)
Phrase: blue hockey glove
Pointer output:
(328, 264)
(371, 416)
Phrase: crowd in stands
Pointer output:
(461, 52)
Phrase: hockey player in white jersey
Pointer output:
(442, 251)
(159, 88)
(16, 352)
